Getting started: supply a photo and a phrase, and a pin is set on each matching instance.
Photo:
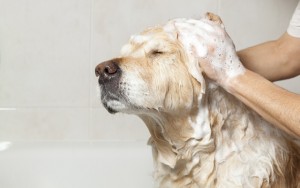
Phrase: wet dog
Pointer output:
(201, 135)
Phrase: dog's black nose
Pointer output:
(108, 70)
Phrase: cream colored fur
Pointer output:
(201, 135)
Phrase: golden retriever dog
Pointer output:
(201, 135)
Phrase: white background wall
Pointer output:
(49, 48)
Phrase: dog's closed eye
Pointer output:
(156, 52)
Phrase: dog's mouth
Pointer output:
(109, 108)
(111, 97)
(115, 99)
(105, 99)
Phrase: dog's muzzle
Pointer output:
(109, 74)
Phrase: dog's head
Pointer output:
(158, 70)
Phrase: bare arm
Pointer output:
(278, 106)
(274, 60)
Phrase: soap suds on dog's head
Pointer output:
(205, 39)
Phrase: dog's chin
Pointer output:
(113, 106)
(109, 108)
(115, 103)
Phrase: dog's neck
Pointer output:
(200, 138)
(172, 135)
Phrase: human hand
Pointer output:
(208, 41)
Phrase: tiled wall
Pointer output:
(49, 48)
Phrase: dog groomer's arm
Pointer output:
(279, 59)
(278, 106)
(274, 60)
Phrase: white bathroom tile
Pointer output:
(118, 127)
(94, 92)
(286, 11)
(45, 53)
(290, 84)
(116, 20)
(32, 124)
(251, 22)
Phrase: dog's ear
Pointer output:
(193, 66)
(214, 18)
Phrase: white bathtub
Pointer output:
(75, 165)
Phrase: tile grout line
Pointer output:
(7, 108)
(90, 69)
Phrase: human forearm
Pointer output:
(274, 60)
(262, 59)
(218, 60)
(275, 104)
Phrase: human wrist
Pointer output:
(231, 83)
(230, 77)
